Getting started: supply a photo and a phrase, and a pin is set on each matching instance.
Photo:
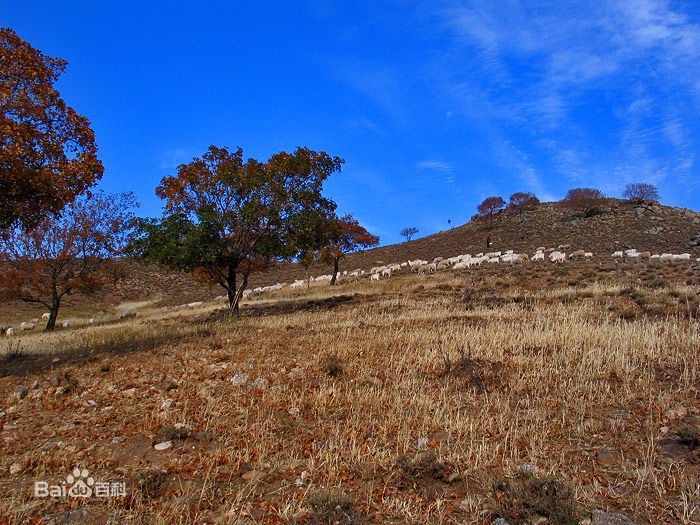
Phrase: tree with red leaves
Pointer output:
(491, 207)
(67, 253)
(48, 154)
(226, 217)
(584, 199)
(346, 235)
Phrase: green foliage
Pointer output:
(225, 216)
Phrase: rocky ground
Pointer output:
(527, 395)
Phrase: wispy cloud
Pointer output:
(435, 165)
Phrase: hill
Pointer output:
(617, 225)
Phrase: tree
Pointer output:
(346, 236)
(490, 207)
(521, 199)
(48, 154)
(66, 253)
(226, 217)
(408, 233)
(584, 199)
(641, 191)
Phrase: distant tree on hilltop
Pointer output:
(490, 207)
(641, 191)
(522, 200)
(408, 233)
(584, 199)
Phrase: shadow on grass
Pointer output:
(33, 363)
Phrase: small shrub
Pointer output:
(14, 351)
(331, 507)
(332, 365)
(528, 498)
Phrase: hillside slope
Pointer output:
(621, 225)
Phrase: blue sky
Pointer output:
(433, 105)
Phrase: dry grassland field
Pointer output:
(530, 394)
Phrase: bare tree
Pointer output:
(409, 232)
(641, 191)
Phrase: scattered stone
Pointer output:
(91, 403)
(20, 393)
(253, 475)
(131, 392)
(10, 426)
(303, 479)
(165, 445)
(35, 385)
(117, 439)
(599, 517)
(260, 383)
(166, 404)
(422, 443)
(529, 469)
(239, 379)
(15, 468)
(605, 457)
(294, 411)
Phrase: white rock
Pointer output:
(239, 379)
(258, 383)
(166, 404)
(15, 468)
(165, 445)
(422, 443)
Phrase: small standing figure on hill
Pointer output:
(488, 242)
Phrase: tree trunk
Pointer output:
(239, 294)
(231, 288)
(53, 313)
(335, 270)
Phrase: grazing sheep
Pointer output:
(493, 260)
(427, 268)
(588, 255)
(563, 247)
(577, 254)
(539, 256)
(65, 324)
(557, 256)
(645, 255)
(480, 254)
(9, 332)
(540, 249)
(550, 250)
(374, 277)
(443, 265)
(194, 304)
(27, 326)
(246, 294)
(297, 284)
(684, 256)
(386, 272)
(461, 265)
(437, 259)
(127, 314)
(630, 251)
(618, 254)
(45, 316)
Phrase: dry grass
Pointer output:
(359, 417)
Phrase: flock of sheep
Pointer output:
(458, 262)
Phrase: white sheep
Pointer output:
(618, 254)
(428, 268)
(9, 332)
(443, 265)
(539, 256)
(684, 256)
(557, 256)
(45, 316)
(386, 272)
(374, 277)
(588, 255)
(27, 326)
